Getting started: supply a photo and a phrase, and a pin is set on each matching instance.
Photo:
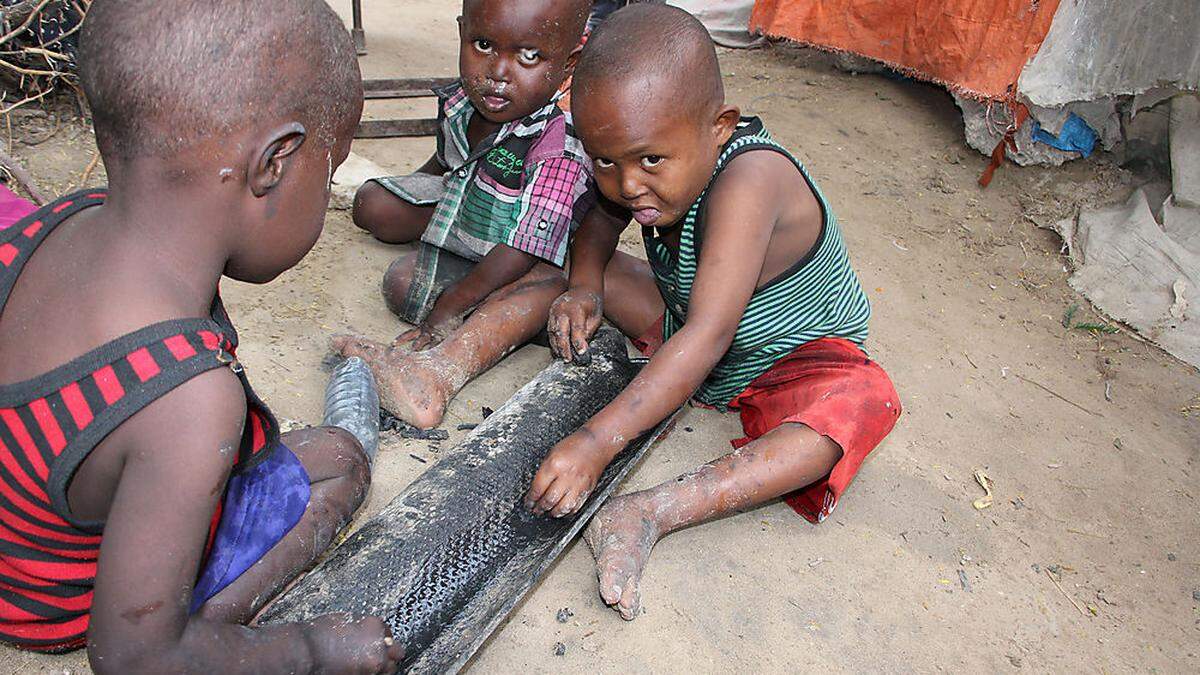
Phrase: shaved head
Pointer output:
(570, 16)
(659, 52)
(161, 75)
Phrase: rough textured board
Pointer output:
(449, 557)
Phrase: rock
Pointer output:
(564, 615)
(355, 171)
(559, 649)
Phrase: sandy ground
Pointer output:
(1088, 561)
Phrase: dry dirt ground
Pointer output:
(1089, 559)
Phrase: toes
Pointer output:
(612, 585)
(353, 345)
(631, 600)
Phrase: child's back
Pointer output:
(145, 491)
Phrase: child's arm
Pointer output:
(744, 206)
(499, 268)
(178, 453)
(576, 314)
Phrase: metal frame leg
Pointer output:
(360, 37)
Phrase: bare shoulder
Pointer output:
(203, 414)
(759, 175)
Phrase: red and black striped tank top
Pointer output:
(50, 423)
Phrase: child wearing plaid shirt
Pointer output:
(492, 211)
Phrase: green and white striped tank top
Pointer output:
(820, 296)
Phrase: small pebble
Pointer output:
(564, 615)
(466, 427)
(688, 429)
(1196, 596)
(559, 649)
(1171, 557)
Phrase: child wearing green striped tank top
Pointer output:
(746, 300)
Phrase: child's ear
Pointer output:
(274, 157)
(462, 29)
(573, 57)
(726, 122)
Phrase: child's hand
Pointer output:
(574, 317)
(427, 335)
(567, 476)
(342, 645)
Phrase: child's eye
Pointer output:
(603, 163)
(529, 57)
(483, 46)
(651, 161)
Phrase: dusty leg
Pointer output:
(339, 477)
(417, 386)
(397, 280)
(626, 529)
(631, 298)
(387, 217)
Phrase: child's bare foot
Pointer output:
(413, 386)
(621, 537)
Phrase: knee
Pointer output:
(368, 206)
(396, 281)
(351, 468)
(378, 211)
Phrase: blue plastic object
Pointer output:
(1076, 136)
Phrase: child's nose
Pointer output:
(501, 69)
(631, 188)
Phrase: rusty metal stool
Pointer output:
(360, 38)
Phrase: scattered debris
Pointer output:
(1055, 394)
(818, 561)
(986, 483)
(418, 458)
(559, 649)
(22, 178)
(564, 615)
(962, 581)
(389, 422)
(1050, 575)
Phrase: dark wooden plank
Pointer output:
(412, 87)
(396, 128)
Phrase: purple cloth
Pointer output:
(261, 506)
(13, 208)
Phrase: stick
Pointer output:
(22, 177)
(28, 21)
(87, 173)
(1055, 394)
(1064, 592)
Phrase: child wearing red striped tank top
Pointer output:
(149, 505)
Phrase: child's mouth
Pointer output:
(494, 104)
(647, 216)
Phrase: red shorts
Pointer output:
(828, 385)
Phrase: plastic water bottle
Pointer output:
(352, 403)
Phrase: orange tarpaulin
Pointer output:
(977, 47)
